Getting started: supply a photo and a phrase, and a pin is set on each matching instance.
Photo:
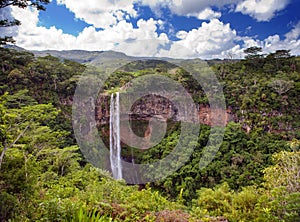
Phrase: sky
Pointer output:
(162, 28)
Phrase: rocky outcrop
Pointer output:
(157, 106)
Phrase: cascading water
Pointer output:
(114, 139)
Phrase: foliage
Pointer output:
(281, 201)
(8, 206)
(285, 172)
(92, 216)
(48, 182)
(275, 201)
(253, 177)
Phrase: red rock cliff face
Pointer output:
(160, 107)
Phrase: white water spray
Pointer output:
(114, 138)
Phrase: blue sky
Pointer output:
(174, 28)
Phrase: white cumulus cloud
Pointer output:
(100, 14)
(207, 14)
(31, 36)
(209, 40)
(261, 10)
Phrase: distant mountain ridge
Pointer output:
(81, 56)
(97, 57)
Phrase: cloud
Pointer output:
(110, 12)
(209, 40)
(261, 10)
(33, 37)
(122, 36)
(294, 33)
(272, 43)
(207, 14)
(212, 39)
(100, 14)
(187, 7)
(105, 13)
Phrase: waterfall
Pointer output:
(114, 138)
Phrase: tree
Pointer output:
(285, 172)
(281, 197)
(38, 4)
(282, 60)
(281, 86)
(253, 57)
(253, 52)
(18, 122)
(282, 54)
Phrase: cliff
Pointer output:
(157, 106)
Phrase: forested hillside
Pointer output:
(253, 177)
